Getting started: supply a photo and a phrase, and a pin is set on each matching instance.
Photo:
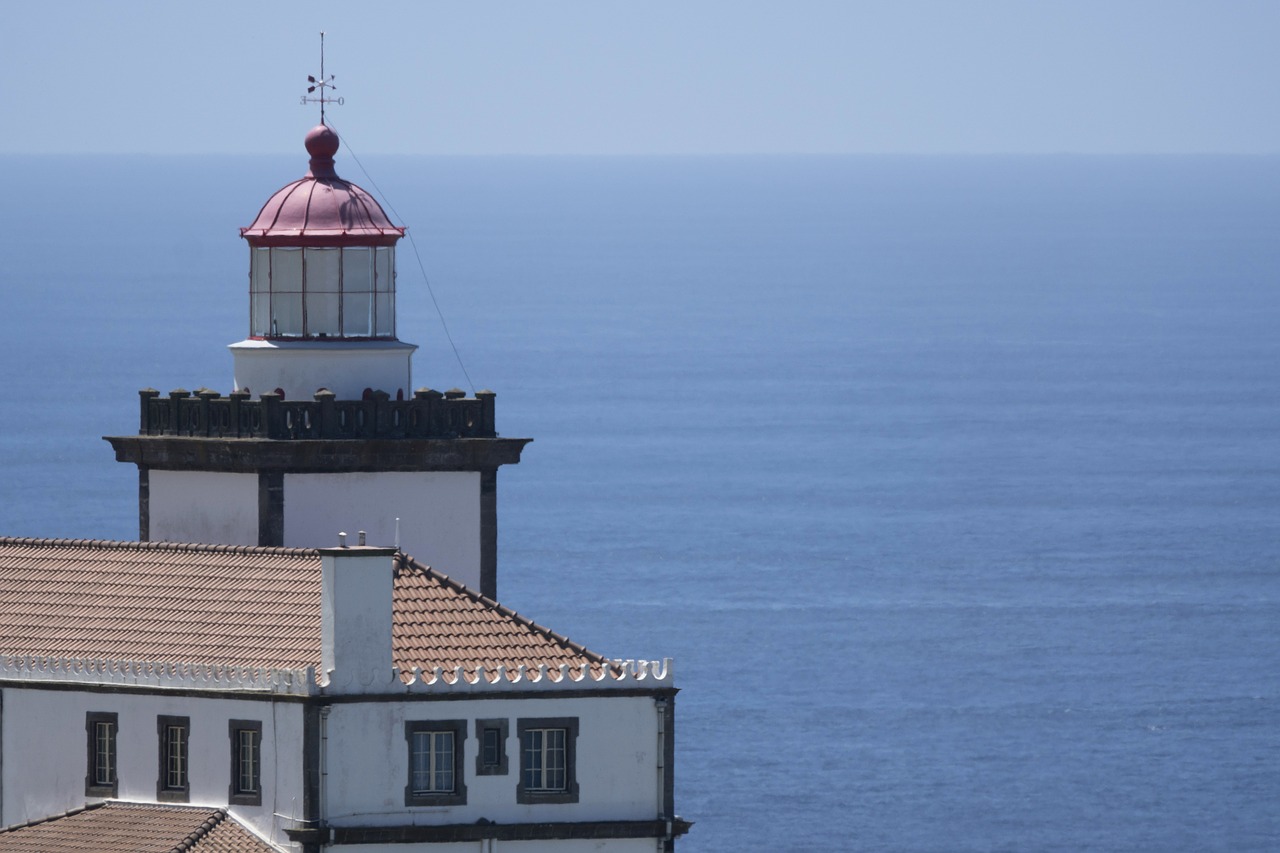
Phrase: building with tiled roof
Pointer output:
(249, 677)
(257, 607)
(288, 685)
(109, 827)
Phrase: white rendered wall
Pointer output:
(45, 752)
(439, 514)
(355, 613)
(203, 506)
(300, 368)
(616, 762)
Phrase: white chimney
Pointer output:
(355, 616)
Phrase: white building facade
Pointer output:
(552, 747)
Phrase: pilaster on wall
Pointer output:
(311, 779)
(271, 507)
(489, 533)
(144, 503)
(668, 711)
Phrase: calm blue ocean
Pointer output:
(952, 485)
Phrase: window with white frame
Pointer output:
(246, 762)
(100, 776)
(432, 758)
(543, 765)
(435, 762)
(547, 760)
(173, 784)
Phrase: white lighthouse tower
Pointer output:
(323, 431)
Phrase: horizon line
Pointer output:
(659, 154)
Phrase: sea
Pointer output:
(950, 484)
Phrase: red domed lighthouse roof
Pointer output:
(321, 209)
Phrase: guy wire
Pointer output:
(418, 257)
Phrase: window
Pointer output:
(435, 763)
(322, 292)
(172, 786)
(432, 771)
(100, 778)
(491, 758)
(547, 747)
(246, 762)
(544, 760)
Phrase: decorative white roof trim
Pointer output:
(165, 676)
(621, 674)
(630, 673)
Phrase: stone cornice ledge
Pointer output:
(483, 829)
(248, 455)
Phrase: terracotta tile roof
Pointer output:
(133, 828)
(161, 602)
(439, 622)
(239, 605)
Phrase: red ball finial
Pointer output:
(322, 144)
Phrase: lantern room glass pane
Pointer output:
(385, 269)
(259, 314)
(286, 270)
(322, 314)
(259, 270)
(323, 289)
(357, 315)
(357, 270)
(322, 270)
(287, 315)
(386, 315)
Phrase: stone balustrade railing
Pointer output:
(208, 414)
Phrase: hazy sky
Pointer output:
(658, 76)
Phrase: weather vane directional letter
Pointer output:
(322, 84)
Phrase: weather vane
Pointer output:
(321, 84)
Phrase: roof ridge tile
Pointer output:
(196, 835)
(68, 813)
(490, 604)
(132, 545)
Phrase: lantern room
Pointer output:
(322, 257)
(322, 290)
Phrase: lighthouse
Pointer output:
(323, 430)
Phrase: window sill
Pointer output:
(454, 799)
(534, 797)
